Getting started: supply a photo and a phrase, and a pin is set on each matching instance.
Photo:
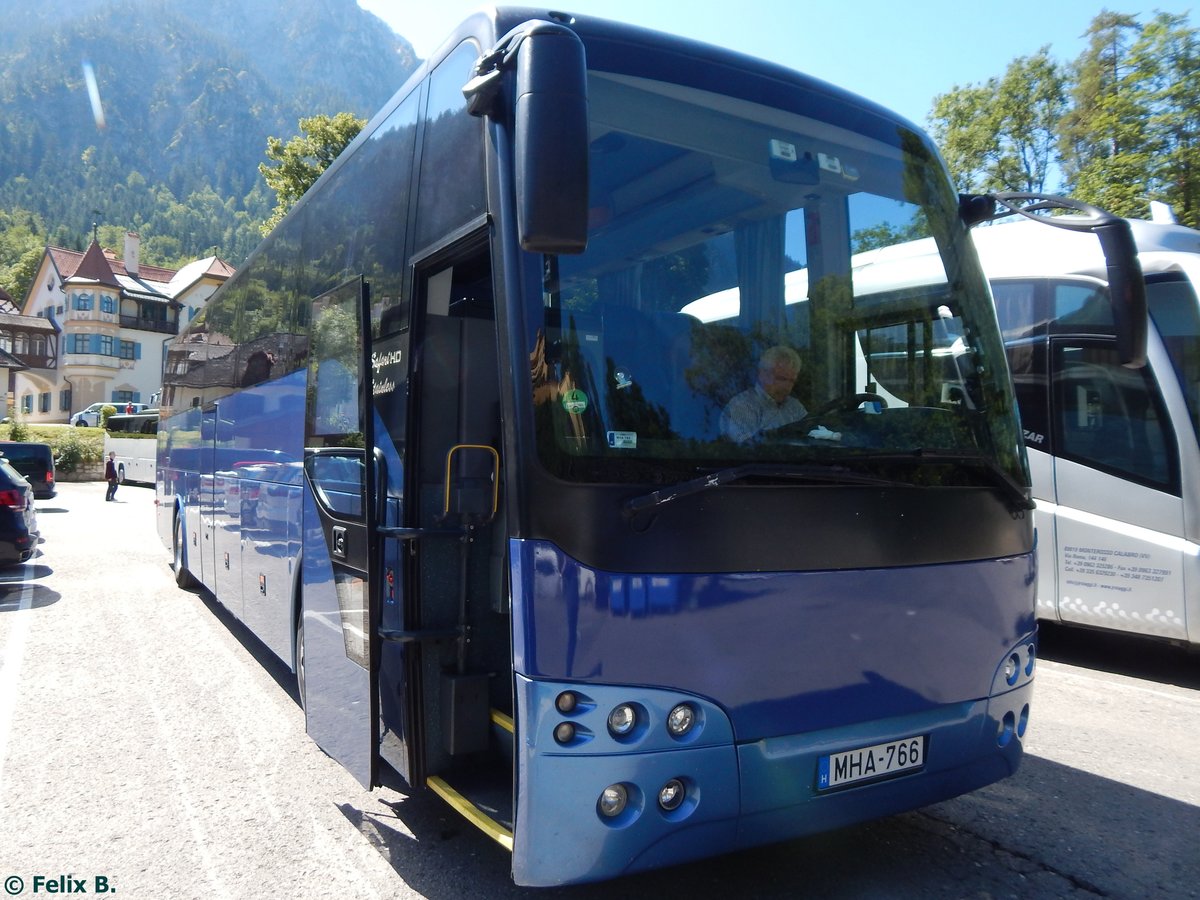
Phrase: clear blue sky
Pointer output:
(898, 54)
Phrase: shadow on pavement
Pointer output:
(1050, 831)
(1120, 654)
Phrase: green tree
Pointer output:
(1104, 148)
(301, 160)
(22, 242)
(1001, 135)
(1166, 63)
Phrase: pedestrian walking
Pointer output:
(110, 475)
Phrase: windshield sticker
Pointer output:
(575, 401)
(623, 379)
(622, 440)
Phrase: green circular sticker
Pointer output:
(574, 401)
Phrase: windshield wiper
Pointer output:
(823, 473)
(1016, 492)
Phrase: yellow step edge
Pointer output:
(471, 812)
(504, 721)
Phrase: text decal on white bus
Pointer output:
(876, 761)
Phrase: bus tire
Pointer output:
(120, 474)
(183, 577)
(299, 664)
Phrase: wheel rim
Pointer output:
(300, 662)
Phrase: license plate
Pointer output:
(876, 761)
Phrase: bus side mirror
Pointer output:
(1126, 284)
(1126, 291)
(550, 119)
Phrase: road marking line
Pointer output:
(10, 671)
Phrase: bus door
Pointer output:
(458, 585)
(1118, 514)
(201, 553)
(336, 655)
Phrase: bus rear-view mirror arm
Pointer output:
(1126, 287)
(549, 129)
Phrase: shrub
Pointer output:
(71, 452)
(18, 430)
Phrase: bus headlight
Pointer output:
(622, 719)
(564, 732)
(681, 719)
(613, 800)
(566, 702)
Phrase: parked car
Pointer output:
(18, 521)
(91, 415)
(35, 462)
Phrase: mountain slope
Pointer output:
(189, 94)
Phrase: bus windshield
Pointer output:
(737, 301)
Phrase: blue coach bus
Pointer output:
(450, 445)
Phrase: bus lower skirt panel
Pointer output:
(734, 795)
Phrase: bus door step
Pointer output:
(483, 800)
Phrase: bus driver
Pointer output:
(769, 403)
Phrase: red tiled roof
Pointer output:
(68, 262)
(95, 267)
(220, 268)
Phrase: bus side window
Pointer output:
(338, 479)
(1111, 417)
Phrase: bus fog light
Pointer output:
(671, 795)
(566, 702)
(621, 720)
(681, 719)
(1012, 667)
(613, 800)
(564, 732)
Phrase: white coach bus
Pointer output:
(1113, 450)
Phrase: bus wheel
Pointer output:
(120, 474)
(300, 661)
(183, 577)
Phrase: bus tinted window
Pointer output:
(450, 194)
(715, 237)
(1173, 307)
(1111, 417)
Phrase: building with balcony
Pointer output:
(105, 324)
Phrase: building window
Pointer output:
(106, 345)
(128, 350)
(6, 341)
(64, 400)
(120, 398)
(78, 343)
(27, 404)
(22, 345)
(83, 301)
(39, 345)
(44, 400)
(108, 304)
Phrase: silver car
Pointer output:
(90, 417)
